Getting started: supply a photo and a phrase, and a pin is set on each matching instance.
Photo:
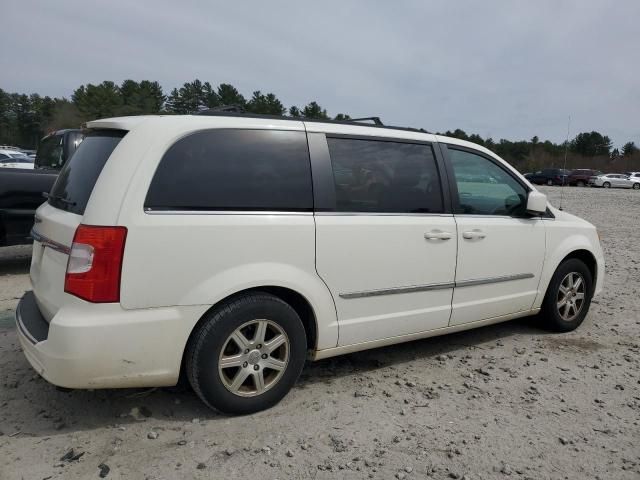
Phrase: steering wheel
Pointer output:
(509, 209)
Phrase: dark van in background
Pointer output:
(21, 190)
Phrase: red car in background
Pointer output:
(580, 176)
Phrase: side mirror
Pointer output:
(536, 203)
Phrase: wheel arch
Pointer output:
(588, 258)
(581, 253)
(296, 300)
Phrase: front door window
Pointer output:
(484, 188)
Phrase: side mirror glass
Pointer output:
(536, 203)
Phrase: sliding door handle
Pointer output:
(473, 234)
(438, 235)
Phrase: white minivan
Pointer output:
(230, 248)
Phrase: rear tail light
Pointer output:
(95, 263)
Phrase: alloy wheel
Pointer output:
(254, 358)
(571, 296)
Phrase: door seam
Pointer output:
(455, 271)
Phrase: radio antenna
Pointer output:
(564, 167)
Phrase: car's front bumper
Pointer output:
(104, 346)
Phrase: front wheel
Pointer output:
(550, 182)
(636, 186)
(568, 296)
(247, 354)
(580, 183)
(606, 185)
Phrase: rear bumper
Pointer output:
(103, 345)
(30, 322)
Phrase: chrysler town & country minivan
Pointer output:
(234, 247)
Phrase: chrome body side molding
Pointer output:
(483, 281)
(393, 291)
(436, 286)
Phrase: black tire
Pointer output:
(213, 334)
(580, 183)
(550, 313)
(606, 185)
(550, 182)
(636, 186)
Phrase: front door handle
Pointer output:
(438, 235)
(473, 234)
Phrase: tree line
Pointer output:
(24, 119)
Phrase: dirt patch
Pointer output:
(570, 343)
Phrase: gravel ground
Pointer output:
(505, 401)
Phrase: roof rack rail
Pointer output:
(375, 120)
(238, 111)
(222, 109)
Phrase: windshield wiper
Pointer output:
(58, 198)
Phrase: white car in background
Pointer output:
(633, 175)
(232, 248)
(15, 159)
(615, 180)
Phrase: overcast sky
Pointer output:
(506, 69)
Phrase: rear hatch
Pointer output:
(57, 220)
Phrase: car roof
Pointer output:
(183, 124)
(312, 125)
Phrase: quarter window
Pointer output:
(234, 170)
(384, 176)
(484, 188)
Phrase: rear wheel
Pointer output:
(636, 186)
(247, 354)
(606, 185)
(568, 296)
(549, 182)
(580, 183)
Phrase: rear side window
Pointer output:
(384, 176)
(252, 170)
(77, 178)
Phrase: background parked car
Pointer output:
(615, 180)
(56, 148)
(633, 175)
(21, 189)
(581, 176)
(549, 176)
(16, 161)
